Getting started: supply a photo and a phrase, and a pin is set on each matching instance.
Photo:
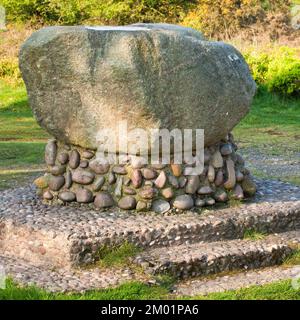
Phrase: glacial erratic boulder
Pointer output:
(83, 79)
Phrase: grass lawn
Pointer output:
(22, 141)
(281, 290)
(273, 125)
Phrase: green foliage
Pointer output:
(127, 291)
(132, 11)
(213, 17)
(46, 11)
(293, 259)
(254, 235)
(100, 11)
(216, 17)
(281, 290)
(108, 256)
(9, 70)
(277, 69)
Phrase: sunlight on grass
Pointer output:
(117, 255)
(253, 235)
(127, 291)
(281, 290)
(293, 259)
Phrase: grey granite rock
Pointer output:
(76, 93)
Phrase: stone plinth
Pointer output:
(76, 174)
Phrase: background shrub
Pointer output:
(46, 11)
(97, 11)
(213, 17)
(277, 69)
(9, 70)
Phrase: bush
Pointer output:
(216, 17)
(98, 11)
(46, 11)
(9, 70)
(132, 11)
(278, 70)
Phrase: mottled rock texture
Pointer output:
(83, 79)
(164, 187)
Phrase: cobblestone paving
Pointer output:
(70, 235)
(209, 258)
(63, 280)
(63, 236)
(279, 166)
(236, 281)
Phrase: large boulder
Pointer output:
(83, 79)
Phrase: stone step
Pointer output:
(202, 259)
(245, 279)
(66, 279)
(70, 235)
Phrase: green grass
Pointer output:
(127, 291)
(253, 235)
(281, 290)
(16, 119)
(293, 259)
(22, 141)
(108, 256)
(273, 125)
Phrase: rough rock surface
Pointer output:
(164, 76)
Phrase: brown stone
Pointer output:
(219, 178)
(231, 180)
(67, 196)
(56, 182)
(182, 182)
(47, 195)
(248, 186)
(103, 200)
(221, 195)
(173, 181)
(147, 193)
(161, 180)
(88, 154)
(205, 190)
(127, 203)
(238, 192)
(136, 178)
(149, 173)
(217, 160)
(42, 182)
(98, 183)
(176, 170)
(50, 152)
(192, 185)
(63, 157)
(74, 159)
(84, 195)
(211, 173)
(82, 176)
(129, 191)
(183, 202)
(119, 170)
(167, 193)
(57, 170)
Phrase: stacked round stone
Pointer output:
(75, 174)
